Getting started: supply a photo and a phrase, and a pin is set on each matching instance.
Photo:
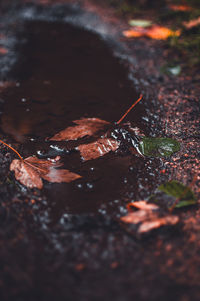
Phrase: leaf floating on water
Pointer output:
(155, 32)
(26, 174)
(84, 127)
(148, 217)
(98, 148)
(140, 23)
(32, 170)
(178, 191)
(158, 147)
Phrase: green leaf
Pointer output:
(141, 23)
(158, 147)
(176, 70)
(178, 191)
(171, 69)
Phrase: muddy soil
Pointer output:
(66, 242)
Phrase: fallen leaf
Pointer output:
(98, 148)
(84, 127)
(32, 170)
(140, 23)
(179, 191)
(155, 32)
(192, 23)
(148, 217)
(158, 147)
(180, 7)
(168, 220)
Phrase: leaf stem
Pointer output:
(14, 150)
(133, 105)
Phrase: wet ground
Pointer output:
(65, 242)
(65, 73)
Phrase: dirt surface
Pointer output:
(92, 256)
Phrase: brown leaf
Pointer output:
(148, 217)
(32, 170)
(168, 220)
(84, 127)
(98, 148)
(155, 32)
(26, 174)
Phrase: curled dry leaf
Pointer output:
(98, 148)
(84, 127)
(32, 170)
(148, 217)
(155, 32)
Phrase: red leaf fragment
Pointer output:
(84, 127)
(32, 170)
(148, 217)
(98, 148)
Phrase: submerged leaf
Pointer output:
(179, 191)
(84, 127)
(140, 23)
(98, 148)
(158, 147)
(32, 170)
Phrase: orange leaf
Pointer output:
(32, 170)
(155, 32)
(192, 23)
(180, 7)
(84, 127)
(148, 217)
(98, 148)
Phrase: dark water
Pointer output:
(65, 73)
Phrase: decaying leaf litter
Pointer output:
(166, 265)
(31, 171)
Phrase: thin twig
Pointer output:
(14, 150)
(133, 105)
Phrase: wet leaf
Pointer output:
(179, 191)
(155, 32)
(98, 148)
(140, 23)
(32, 170)
(84, 127)
(158, 147)
(171, 69)
(148, 217)
(176, 70)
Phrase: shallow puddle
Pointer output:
(65, 73)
